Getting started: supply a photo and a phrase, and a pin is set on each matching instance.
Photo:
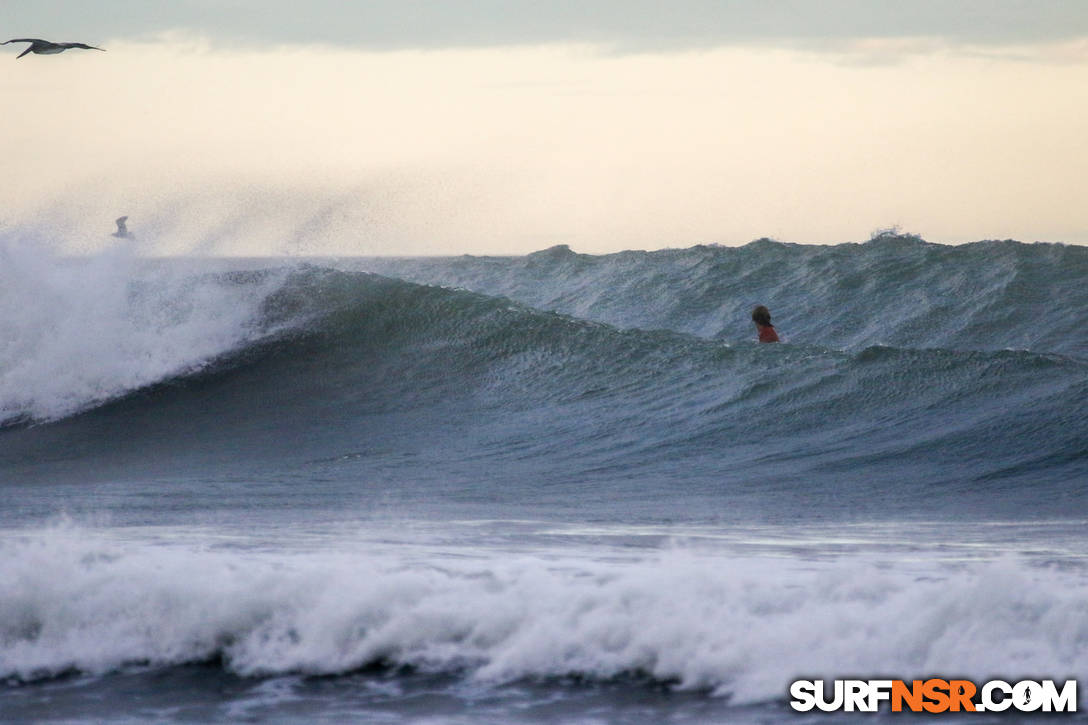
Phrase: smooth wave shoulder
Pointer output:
(895, 290)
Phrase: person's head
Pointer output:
(761, 316)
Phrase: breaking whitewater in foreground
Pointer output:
(550, 488)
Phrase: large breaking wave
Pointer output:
(297, 365)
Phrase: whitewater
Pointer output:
(547, 488)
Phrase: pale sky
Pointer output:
(444, 127)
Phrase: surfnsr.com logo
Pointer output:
(933, 695)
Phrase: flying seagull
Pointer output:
(122, 230)
(45, 47)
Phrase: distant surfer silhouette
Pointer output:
(47, 47)
(762, 317)
(122, 230)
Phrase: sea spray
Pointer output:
(77, 331)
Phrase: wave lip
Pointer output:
(76, 332)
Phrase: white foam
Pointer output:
(78, 331)
(739, 626)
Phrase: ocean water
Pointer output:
(555, 488)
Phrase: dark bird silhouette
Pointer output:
(45, 47)
(122, 230)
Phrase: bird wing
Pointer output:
(82, 45)
(24, 40)
(28, 49)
